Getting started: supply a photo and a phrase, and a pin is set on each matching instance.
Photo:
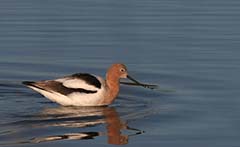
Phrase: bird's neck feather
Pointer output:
(112, 87)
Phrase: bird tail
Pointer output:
(28, 83)
(32, 84)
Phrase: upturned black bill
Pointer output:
(136, 83)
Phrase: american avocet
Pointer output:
(83, 89)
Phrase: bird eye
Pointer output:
(122, 70)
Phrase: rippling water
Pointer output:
(189, 48)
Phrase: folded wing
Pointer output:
(81, 83)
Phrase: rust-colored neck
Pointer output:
(112, 81)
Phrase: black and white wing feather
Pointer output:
(81, 83)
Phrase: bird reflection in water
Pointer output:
(83, 117)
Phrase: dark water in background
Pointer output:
(189, 46)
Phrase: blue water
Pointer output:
(190, 48)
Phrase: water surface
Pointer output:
(189, 47)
